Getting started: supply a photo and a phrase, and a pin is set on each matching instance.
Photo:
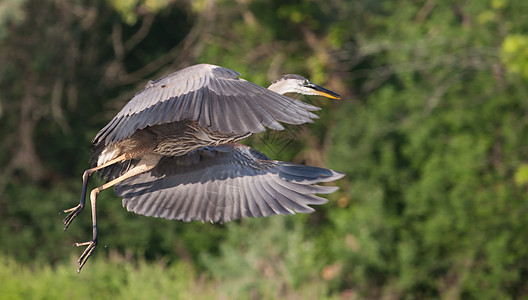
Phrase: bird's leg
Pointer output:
(91, 244)
(74, 211)
(146, 164)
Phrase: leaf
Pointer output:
(521, 175)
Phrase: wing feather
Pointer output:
(215, 111)
(194, 94)
(252, 207)
(224, 183)
(186, 106)
(274, 207)
(285, 201)
(205, 114)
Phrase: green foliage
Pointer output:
(128, 9)
(279, 259)
(434, 203)
(108, 279)
(521, 175)
(515, 54)
(115, 278)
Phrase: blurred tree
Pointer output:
(433, 207)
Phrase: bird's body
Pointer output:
(172, 139)
(171, 152)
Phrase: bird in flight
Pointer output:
(172, 151)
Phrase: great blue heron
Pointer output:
(171, 151)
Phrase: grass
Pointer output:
(115, 278)
(101, 279)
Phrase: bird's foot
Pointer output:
(87, 252)
(73, 212)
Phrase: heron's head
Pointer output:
(293, 83)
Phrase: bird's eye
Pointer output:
(306, 82)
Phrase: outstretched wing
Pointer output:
(225, 183)
(213, 96)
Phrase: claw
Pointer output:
(87, 252)
(73, 212)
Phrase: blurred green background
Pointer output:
(431, 132)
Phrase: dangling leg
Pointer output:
(91, 244)
(74, 211)
(146, 164)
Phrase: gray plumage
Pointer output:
(224, 183)
(213, 96)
